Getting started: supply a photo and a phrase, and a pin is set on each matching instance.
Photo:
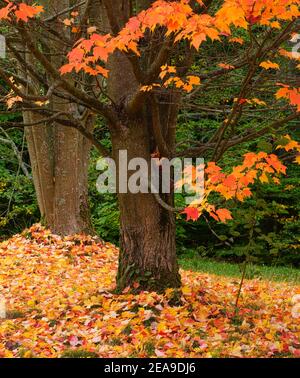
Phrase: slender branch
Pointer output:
(166, 206)
(161, 58)
(157, 129)
(70, 122)
(16, 151)
(64, 11)
(101, 108)
(275, 125)
(203, 147)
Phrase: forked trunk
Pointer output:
(59, 158)
(59, 155)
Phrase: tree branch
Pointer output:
(99, 107)
(157, 130)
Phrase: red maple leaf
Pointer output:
(192, 213)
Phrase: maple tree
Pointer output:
(136, 70)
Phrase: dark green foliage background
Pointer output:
(18, 206)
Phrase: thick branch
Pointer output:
(68, 122)
(157, 130)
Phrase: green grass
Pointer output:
(281, 274)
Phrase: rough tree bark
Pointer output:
(148, 248)
(147, 235)
(59, 157)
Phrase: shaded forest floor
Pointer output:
(59, 303)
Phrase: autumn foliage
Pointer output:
(21, 11)
(55, 306)
(236, 184)
(90, 55)
(60, 292)
(183, 24)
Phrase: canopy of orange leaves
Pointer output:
(180, 21)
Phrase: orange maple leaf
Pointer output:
(267, 65)
(26, 11)
(224, 215)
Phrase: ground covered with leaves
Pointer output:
(60, 303)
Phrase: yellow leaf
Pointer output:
(264, 178)
(186, 290)
(194, 80)
(267, 65)
(41, 103)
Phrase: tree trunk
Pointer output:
(147, 235)
(59, 155)
(59, 158)
(147, 241)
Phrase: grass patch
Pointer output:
(79, 353)
(279, 274)
(15, 314)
